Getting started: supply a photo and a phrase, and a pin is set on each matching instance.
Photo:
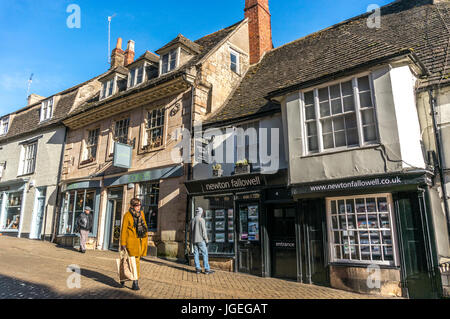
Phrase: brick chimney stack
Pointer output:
(260, 28)
(129, 53)
(117, 55)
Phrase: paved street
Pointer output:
(35, 270)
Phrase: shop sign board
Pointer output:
(362, 183)
(122, 155)
(83, 185)
(241, 182)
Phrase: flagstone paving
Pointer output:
(40, 270)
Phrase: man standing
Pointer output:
(199, 240)
(84, 226)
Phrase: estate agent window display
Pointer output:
(361, 229)
(219, 217)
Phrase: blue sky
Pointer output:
(35, 37)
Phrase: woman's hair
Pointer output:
(135, 201)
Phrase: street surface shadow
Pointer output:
(154, 261)
(14, 288)
(100, 278)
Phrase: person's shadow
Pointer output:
(100, 278)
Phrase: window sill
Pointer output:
(87, 163)
(25, 175)
(45, 121)
(363, 264)
(145, 150)
(342, 150)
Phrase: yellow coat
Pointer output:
(136, 247)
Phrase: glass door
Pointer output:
(249, 255)
(283, 242)
(114, 219)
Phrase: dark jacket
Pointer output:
(84, 222)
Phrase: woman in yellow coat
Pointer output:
(134, 235)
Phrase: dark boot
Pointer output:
(135, 285)
(122, 284)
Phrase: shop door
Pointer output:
(415, 268)
(283, 251)
(113, 226)
(312, 224)
(249, 257)
(38, 218)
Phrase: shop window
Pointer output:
(11, 219)
(249, 222)
(361, 229)
(149, 196)
(339, 116)
(73, 206)
(219, 217)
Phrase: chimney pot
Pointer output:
(129, 53)
(117, 55)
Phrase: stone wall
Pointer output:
(357, 279)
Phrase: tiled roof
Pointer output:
(206, 44)
(406, 26)
(183, 40)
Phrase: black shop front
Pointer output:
(250, 220)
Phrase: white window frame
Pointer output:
(2, 171)
(132, 82)
(145, 142)
(238, 64)
(106, 86)
(358, 111)
(4, 125)
(28, 159)
(177, 61)
(47, 109)
(391, 213)
(88, 146)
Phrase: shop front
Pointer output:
(12, 199)
(144, 185)
(76, 197)
(239, 212)
(370, 234)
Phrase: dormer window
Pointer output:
(4, 125)
(47, 110)
(108, 88)
(169, 61)
(136, 76)
(234, 61)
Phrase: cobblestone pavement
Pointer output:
(39, 270)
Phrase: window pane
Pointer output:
(312, 128)
(310, 112)
(349, 104)
(382, 205)
(352, 137)
(367, 117)
(324, 109)
(327, 126)
(340, 139)
(132, 75)
(313, 145)
(371, 206)
(323, 94)
(233, 57)
(336, 106)
(363, 84)
(335, 91)
(140, 75)
(309, 98)
(370, 133)
(328, 141)
(347, 88)
(365, 99)
(338, 124)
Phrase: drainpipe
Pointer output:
(437, 137)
